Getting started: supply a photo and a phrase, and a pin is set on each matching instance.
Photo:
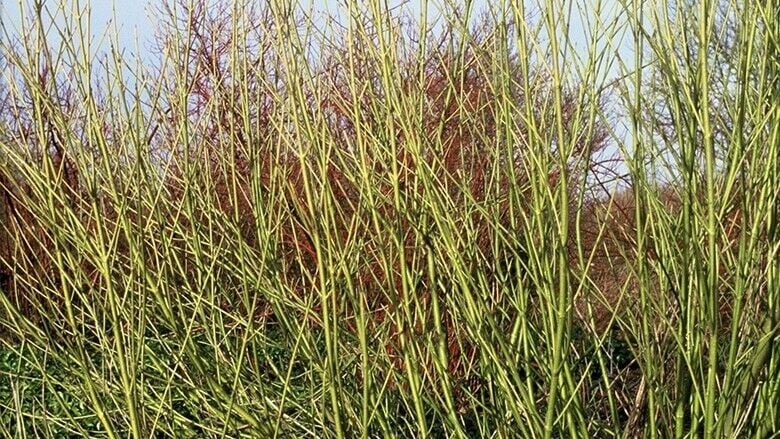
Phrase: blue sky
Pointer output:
(136, 17)
(135, 20)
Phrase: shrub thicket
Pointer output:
(284, 226)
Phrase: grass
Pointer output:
(392, 225)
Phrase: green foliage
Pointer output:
(41, 399)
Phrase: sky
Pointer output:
(136, 18)
(132, 17)
(136, 21)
